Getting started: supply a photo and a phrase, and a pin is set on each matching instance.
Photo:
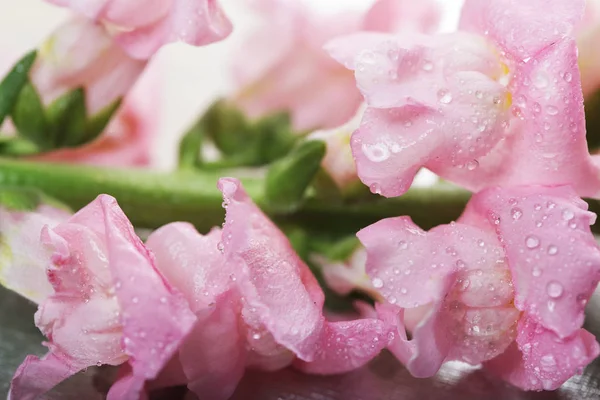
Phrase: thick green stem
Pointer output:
(152, 199)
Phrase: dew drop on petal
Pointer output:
(472, 165)
(256, 336)
(532, 242)
(568, 77)
(568, 214)
(377, 283)
(444, 96)
(427, 66)
(516, 213)
(554, 289)
(551, 110)
(221, 247)
(552, 250)
(403, 245)
(536, 271)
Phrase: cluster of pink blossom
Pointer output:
(495, 107)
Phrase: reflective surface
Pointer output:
(383, 379)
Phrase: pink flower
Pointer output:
(81, 53)
(128, 138)
(505, 286)
(109, 305)
(283, 66)
(22, 260)
(497, 103)
(254, 297)
(142, 27)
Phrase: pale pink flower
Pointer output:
(254, 297)
(282, 67)
(22, 259)
(497, 103)
(505, 286)
(142, 27)
(109, 305)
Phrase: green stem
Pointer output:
(152, 199)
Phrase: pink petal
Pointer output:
(552, 133)
(542, 361)
(153, 325)
(191, 262)
(195, 22)
(347, 345)
(431, 344)
(23, 261)
(36, 376)
(408, 265)
(403, 15)
(519, 27)
(346, 49)
(553, 257)
(272, 278)
(213, 356)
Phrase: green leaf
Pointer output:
(96, 124)
(29, 117)
(67, 118)
(13, 82)
(288, 178)
(278, 139)
(17, 147)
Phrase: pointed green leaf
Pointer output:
(13, 82)
(288, 178)
(190, 145)
(29, 117)
(97, 123)
(67, 118)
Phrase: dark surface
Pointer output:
(383, 379)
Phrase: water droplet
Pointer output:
(392, 300)
(516, 213)
(537, 207)
(480, 243)
(256, 336)
(521, 100)
(552, 250)
(568, 214)
(550, 205)
(554, 289)
(377, 283)
(517, 112)
(460, 264)
(403, 245)
(479, 94)
(532, 242)
(551, 110)
(427, 66)
(444, 96)
(540, 81)
(568, 77)
(472, 165)
(403, 290)
(135, 300)
(221, 247)
(536, 271)
(464, 284)
(375, 188)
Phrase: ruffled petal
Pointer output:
(519, 27)
(542, 361)
(191, 262)
(36, 376)
(550, 129)
(347, 345)
(23, 261)
(195, 22)
(153, 325)
(552, 254)
(272, 278)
